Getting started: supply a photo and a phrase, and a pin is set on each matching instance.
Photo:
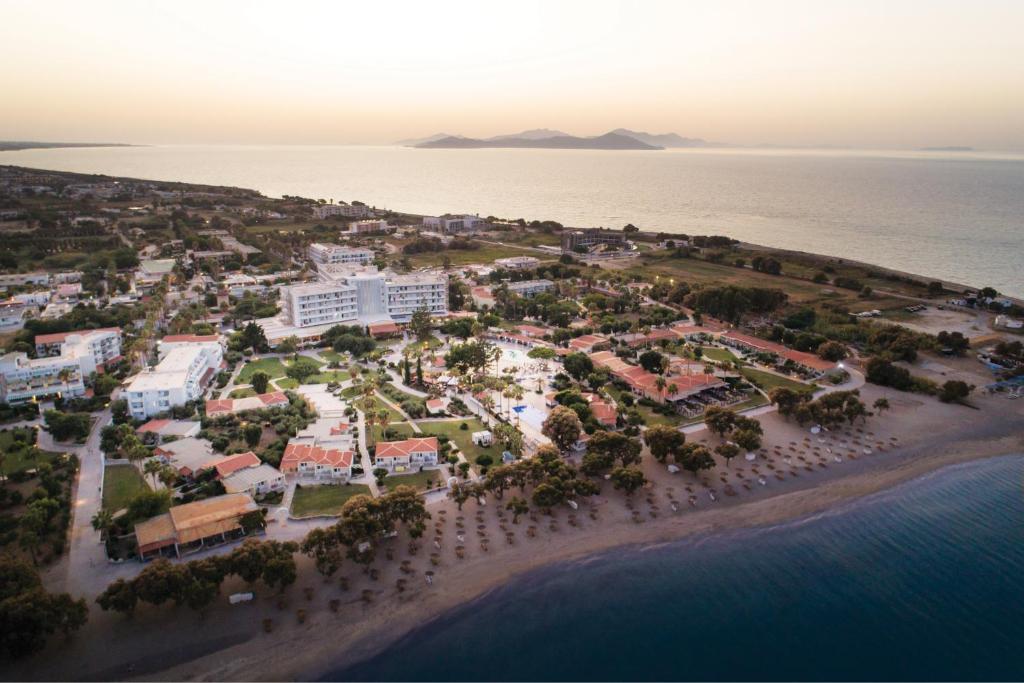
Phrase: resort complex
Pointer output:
(413, 402)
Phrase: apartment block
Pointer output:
(323, 254)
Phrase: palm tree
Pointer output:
(152, 468)
(168, 476)
(881, 404)
(102, 521)
(659, 382)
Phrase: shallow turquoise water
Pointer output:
(923, 582)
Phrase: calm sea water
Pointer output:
(954, 216)
(922, 582)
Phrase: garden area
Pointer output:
(121, 484)
(272, 366)
(18, 452)
(463, 438)
(769, 380)
(324, 499)
(421, 481)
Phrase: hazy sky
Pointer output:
(861, 73)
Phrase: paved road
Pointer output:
(87, 566)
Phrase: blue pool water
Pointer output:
(923, 582)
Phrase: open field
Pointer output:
(121, 483)
(463, 438)
(717, 353)
(769, 381)
(328, 377)
(417, 480)
(402, 429)
(272, 366)
(324, 499)
(485, 254)
(697, 271)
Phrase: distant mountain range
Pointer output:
(545, 138)
(667, 140)
(16, 145)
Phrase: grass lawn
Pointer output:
(403, 429)
(22, 457)
(121, 483)
(310, 501)
(769, 380)
(485, 254)
(462, 438)
(286, 383)
(417, 480)
(328, 377)
(418, 346)
(716, 353)
(272, 366)
(329, 355)
(242, 393)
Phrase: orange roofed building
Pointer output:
(305, 459)
(194, 526)
(401, 456)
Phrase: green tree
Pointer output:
(379, 473)
(628, 479)
(578, 365)
(694, 458)
(663, 441)
(259, 381)
(252, 433)
(719, 420)
(955, 390)
(421, 325)
(29, 615)
(518, 507)
(881, 404)
(786, 399)
(747, 439)
(563, 427)
(728, 451)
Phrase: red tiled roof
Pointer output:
(401, 449)
(383, 328)
(604, 412)
(298, 453)
(61, 336)
(808, 360)
(152, 426)
(435, 404)
(586, 341)
(233, 463)
(532, 330)
(218, 406)
(273, 398)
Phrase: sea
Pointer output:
(920, 582)
(957, 216)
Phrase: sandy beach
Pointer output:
(803, 476)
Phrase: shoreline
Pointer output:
(299, 658)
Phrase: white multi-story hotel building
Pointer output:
(23, 378)
(187, 363)
(323, 211)
(517, 262)
(528, 288)
(65, 361)
(319, 304)
(355, 295)
(449, 223)
(323, 254)
(357, 227)
(94, 347)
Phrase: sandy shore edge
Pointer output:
(316, 652)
